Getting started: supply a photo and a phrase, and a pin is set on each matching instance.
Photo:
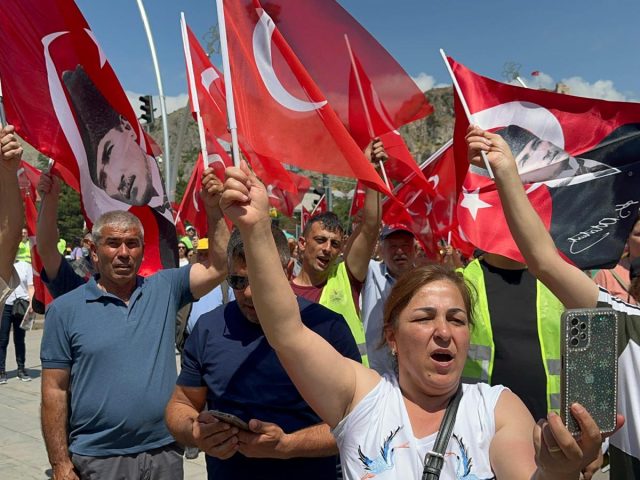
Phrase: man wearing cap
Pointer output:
(323, 278)
(398, 251)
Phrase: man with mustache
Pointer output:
(108, 353)
(398, 251)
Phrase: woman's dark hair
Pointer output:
(412, 281)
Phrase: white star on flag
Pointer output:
(471, 201)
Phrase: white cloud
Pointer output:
(600, 89)
(603, 89)
(427, 82)
(172, 103)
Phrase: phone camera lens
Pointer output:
(583, 336)
(574, 342)
(583, 326)
(574, 321)
(574, 331)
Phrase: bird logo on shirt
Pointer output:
(384, 461)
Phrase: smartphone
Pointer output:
(589, 373)
(230, 419)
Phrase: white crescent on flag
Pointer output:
(264, 61)
(207, 77)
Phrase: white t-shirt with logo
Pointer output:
(376, 438)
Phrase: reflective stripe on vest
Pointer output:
(479, 365)
(336, 295)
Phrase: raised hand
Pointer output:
(48, 184)
(10, 149)
(497, 150)
(244, 200)
(211, 192)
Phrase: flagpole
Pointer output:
(163, 108)
(521, 82)
(456, 85)
(3, 117)
(231, 112)
(195, 102)
(364, 105)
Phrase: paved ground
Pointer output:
(23, 454)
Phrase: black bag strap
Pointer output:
(434, 460)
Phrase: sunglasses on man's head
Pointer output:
(238, 282)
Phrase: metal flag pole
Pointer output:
(364, 105)
(521, 82)
(467, 112)
(231, 112)
(3, 117)
(163, 108)
(195, 103)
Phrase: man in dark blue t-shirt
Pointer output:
(229, 366)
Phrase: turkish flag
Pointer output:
(316, 29)
(305, 215)
(211, 99)
(285, 201)
(28, 178)
(357, 201)
(577, 158)
(192, 207)
(280, 111)
(65, 99)
(368, 118)
(321, 207)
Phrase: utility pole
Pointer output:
(326, 184)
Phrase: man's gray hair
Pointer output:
(119, 219)
(235, 247)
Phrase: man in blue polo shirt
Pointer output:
(108, 354)
(229, 366)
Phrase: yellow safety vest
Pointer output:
(336, 295)
(479, 365)
(24, 252)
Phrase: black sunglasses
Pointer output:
(238, 282)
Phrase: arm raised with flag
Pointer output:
(568, 283)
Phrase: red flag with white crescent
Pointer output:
(65, 99)
(570, 152)
(280, 110)
(316, 29)
(28, 178)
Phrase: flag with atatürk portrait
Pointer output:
(64, 98)
(577, 158)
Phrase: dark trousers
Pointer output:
(9, 320)
(164, 463)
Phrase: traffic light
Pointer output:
(147, 109)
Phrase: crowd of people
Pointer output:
(309, 357)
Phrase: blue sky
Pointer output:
(593, 46)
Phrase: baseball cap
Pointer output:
(190, 227)
(393, 228)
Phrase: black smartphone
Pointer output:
(590, 366)
(230, 419)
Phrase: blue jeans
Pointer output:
(9, 320)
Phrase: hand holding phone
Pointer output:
(230, 419)
(590, 366)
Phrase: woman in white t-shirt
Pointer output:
(384, 426)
